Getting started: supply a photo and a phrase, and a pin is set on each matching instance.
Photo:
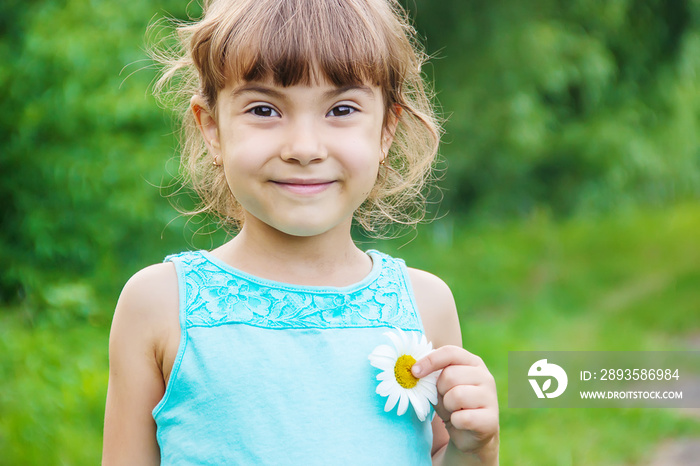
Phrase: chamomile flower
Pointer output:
(397, 382)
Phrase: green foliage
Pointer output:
(84, 147)
(578, 105)
(52, 401)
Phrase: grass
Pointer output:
(628, 282)
(54, 381)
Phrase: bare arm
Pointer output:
(465, 430)
(140, 330)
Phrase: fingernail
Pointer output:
(416, 370)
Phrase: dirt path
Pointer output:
(684, 451)
(681, 452)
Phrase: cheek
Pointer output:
(245, 152)
(241, 166)
(364, 146)
(364, 167)
(358, 153)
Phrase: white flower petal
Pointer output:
(385, 387)
(420, 404)
(423, 351)
(398, 341)
(404, 337)
(403, 403)
(419, 354)
(383, 357)
(413, 399)
(385, 351)
(408, 344)
(423, 341)
(426, 409)
(432, 377)
(382, 363)
(392, 400)
(429, 391)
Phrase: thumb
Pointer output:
(441, 358)
(427, 364)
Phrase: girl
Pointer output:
(302, 116)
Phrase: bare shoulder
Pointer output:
(150, 291)
(147, 310)
(437, 308)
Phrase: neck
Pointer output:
(329, 259)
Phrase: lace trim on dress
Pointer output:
(219, 295)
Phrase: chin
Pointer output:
(304, 232)
(307, 229)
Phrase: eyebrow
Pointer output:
(255, 88)
(350, 87)
(266, 90)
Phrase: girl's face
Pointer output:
(300, 159)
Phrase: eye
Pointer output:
(264, 111)
(341, 110)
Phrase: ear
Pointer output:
(392, 121)
(207, 126)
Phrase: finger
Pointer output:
(482, 422)
(441, 411)
(465, 387)
(443, 357)
(455, 375)
(468, 397)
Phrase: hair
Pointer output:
(290, 41)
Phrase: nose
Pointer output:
(303, 143)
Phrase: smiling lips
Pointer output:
(304, 187)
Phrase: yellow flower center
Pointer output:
(402, 371)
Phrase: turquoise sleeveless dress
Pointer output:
(269, 373)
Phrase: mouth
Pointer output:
(304, 187)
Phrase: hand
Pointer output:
(467, 400)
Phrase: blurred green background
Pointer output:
(569, 216)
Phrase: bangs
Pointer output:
(293, 41)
